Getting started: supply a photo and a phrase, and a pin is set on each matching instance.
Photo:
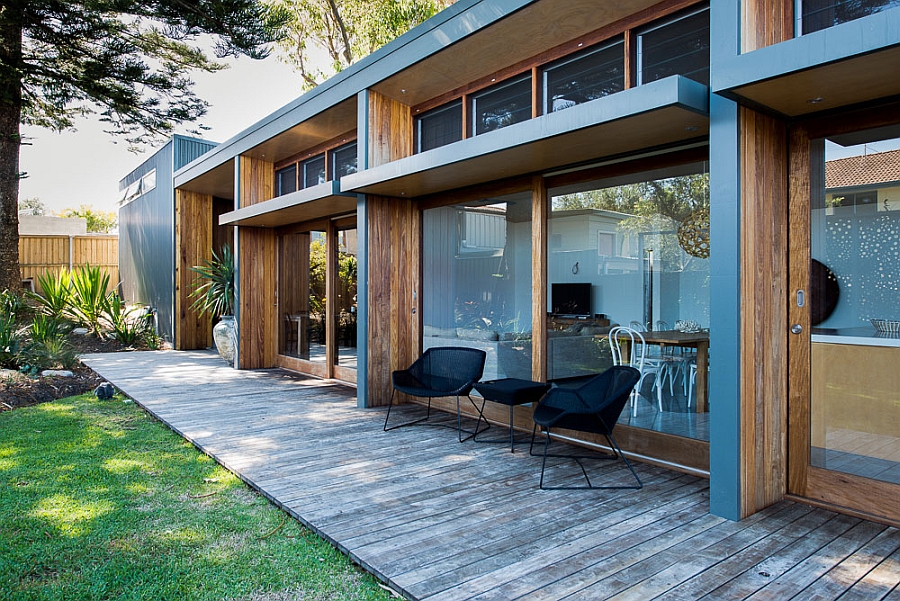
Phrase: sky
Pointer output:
(69, 169)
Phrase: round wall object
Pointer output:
(693, 234)
(824, 292)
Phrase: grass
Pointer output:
(100, 501)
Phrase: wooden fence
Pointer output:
(42, 254)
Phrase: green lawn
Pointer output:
(100, 501)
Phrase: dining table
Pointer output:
(696, 340)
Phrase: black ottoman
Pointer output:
(512, 392)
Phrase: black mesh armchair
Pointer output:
(593, 407)
(439, 372)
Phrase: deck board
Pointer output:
(444, 521)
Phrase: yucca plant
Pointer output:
(214, 290)
(13, 305)
(89, 300)
(46, 327)
(57, 290)
(126, 324)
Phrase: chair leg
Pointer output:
(616, 454)
(388, 416)
(459, 429)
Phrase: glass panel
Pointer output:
(439, 127)
(314, 171)
(821, 14)
(344, 160)
(301, 295)
(286, 180)
(678, 47)
(854, 292)
(476, 278)
(584, 77)
(345, 298)
(502, 105)
(631, 251)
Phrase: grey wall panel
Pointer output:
(147, 243)
(187, 149)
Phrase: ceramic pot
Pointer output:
(224, 337)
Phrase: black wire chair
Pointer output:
(593, 407)
(440, 371)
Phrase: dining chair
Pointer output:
(637, 358)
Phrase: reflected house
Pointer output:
(666, 159)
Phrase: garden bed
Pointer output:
(19, 390)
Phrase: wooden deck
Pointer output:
(440, 520)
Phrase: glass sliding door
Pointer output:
(345, 297)
(476, 281)
(633, 251)
(846, 287)
(302, 295)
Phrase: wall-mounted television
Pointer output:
(570, 299)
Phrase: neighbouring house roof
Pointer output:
(876, 168)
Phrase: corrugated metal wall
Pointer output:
(147, 232)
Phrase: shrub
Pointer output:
(13, 305)
(46, 327)
(57, 292)
(126, 324)
(10, 343)
(89, 301)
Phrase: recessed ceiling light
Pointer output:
(403, 91)
(580, 44)
(493, 79)
(815, 100)
(691, 128)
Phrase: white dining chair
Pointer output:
(637, 358)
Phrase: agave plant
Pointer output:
(214, 290)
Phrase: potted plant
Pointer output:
(214, 295)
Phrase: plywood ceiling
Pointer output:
(530, 31)
(830, 86)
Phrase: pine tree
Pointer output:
(125, 61)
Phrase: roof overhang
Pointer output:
(324, 200)
(848, 64)
(664, 112)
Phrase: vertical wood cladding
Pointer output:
(257, 181)
(257, 259)
(540, 212)
(764, 298)
(390, 130)
(193, 246)
(394, 292)
(766, 22)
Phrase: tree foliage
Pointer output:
(345, 31)
(31, 206)
(99, 222)
(126, 61)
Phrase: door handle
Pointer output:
(796, 328)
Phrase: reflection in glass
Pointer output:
(584, 77)
(821, 14)
(301, 295)
(621, 238)
(477, 281)
(314, 171)
(439, 127)
(676, 47)
(502, 105)
(345, 298)
(855, 233)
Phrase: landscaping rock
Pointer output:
(80, 331)
(57, 373)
